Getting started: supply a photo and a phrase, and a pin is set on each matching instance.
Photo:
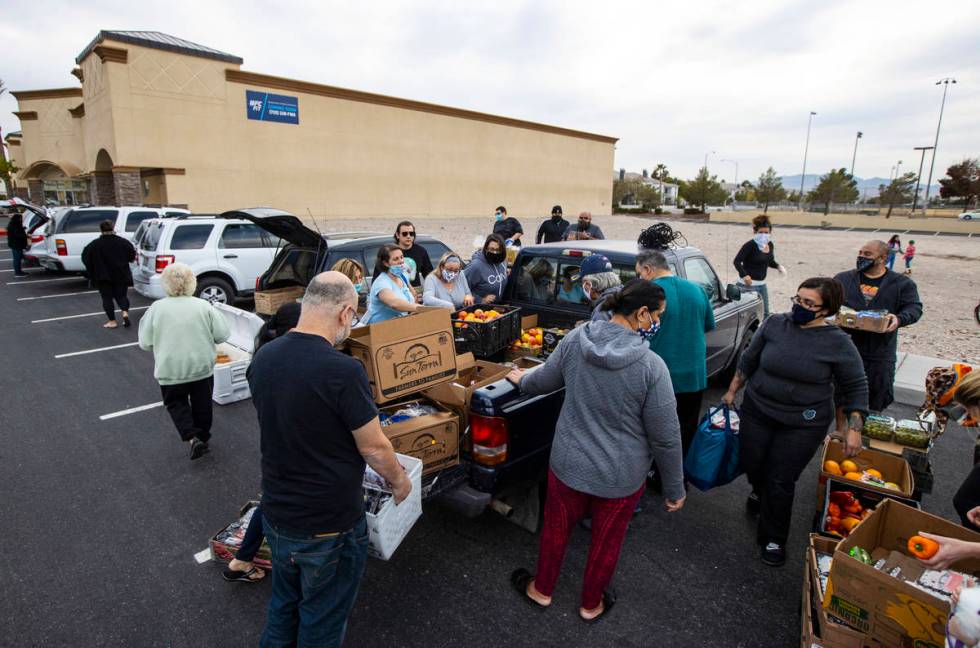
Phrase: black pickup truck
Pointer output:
(509, 438)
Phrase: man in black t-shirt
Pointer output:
(507, 226)
(552, 230)
(319, 425)
(418, 265)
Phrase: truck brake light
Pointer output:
(576, 253)
(37, 238)
(163, 260)
(62, 248)
(490, 438)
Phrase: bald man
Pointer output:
(872, 286)
(319, 425)
(584, 230)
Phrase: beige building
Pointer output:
(160, 120)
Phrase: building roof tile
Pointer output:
(159, 40)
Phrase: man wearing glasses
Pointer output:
(417, 262)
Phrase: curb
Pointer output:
(910, 377)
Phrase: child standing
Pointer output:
(909, 255)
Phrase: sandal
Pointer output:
(608, 601)
(519, 580)
(235, 576)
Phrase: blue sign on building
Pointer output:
(271, 107)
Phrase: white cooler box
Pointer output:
(230, 384)
(389, 526)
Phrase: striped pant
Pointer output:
(563, 508)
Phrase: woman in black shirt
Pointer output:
(755, 258)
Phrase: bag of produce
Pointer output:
(910, 433)
(712, 459)
(881, 428)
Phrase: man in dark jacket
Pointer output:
(872, 286)
(552, 230)
(17, 241)
(506, 226)
(107, 261)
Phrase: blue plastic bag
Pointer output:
(712, 459)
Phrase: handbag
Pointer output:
(712, 459)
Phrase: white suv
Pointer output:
(80, 226)
(227, 255)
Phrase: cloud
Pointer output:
(671, 79)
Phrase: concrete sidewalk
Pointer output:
(910, 377)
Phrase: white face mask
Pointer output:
(762, 240)
(449, 275)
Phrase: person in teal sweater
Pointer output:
(680, 341)
(182, 331)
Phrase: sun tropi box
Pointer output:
(432, 438)
(405, 355)
(887, 608)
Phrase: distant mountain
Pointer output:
(867, 186)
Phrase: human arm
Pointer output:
(518, 231)
(663, 433)
(425, 263)
(145, 335)
(739, 262)
(546, 378)
(540, 235)
(429, 294)
(132, 251)
(951, 551)
(851, 395)
(87, 256)
(597, 234)
(377, 451)
(747, 365)
(465, 287)
(220, 330)
(909, 305)
(567, 234)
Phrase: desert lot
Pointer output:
(946, 268)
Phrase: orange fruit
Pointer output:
(873, 473)
(849, 466)
(856, 476)
(832, 467)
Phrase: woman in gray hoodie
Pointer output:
(622, 417)
(487, 272)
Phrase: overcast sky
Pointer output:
(671, 80)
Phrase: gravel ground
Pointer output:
(946, 268)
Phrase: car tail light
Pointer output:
(62, 248)
(257, 280)
(37, 238)
(163, 260)
(490, 438)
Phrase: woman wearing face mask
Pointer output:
(487, 272)
(391, 294)
(755, 258)
(894, 249)
(795, 368)
(629, 398)
(446, 285)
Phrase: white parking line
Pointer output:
(203, 556)
(66, 317)
(108, 348)
(34, 281)
(131, 410)
(84, 292)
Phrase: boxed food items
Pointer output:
(234, 355)
(875, 321)
(912, 434)
(405, 355)
(423, 429)
(530, 342)
(225, 543)
(485, 329)
(879, 427)
(877, 587)
(388, 523)
(267, 302)
(846, 505)
(472, 375)
(825, 630)
(522, 362)
(872, 469)
(551, 338)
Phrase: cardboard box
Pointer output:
(432, 438)
(222, 551)
(874, 321)
(893, 469)
(887, 608)
(869, 499)
(552, 336)
(405, 355)
(472, 375)
(918, 459)
(526, 362)
(267, 302)
(828, 631)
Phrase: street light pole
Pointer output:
(854, 157)
(898, 169)
(806, 149)
(735, 190)
(706, 159)
(915, 198)
(946, 81)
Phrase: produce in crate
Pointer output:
(850, 470)
(479, 315)
(881, 428)
(910, 433)
(859, 553)
(532, 338)
(844, 513)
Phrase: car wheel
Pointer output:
(215, 290)
(968, 217)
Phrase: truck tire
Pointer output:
(215, 290)
(725, 376)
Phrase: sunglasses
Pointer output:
(412, 234)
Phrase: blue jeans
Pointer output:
(763, 291)
(890, 260)
(18, 258)
(314, 584)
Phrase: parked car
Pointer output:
(79, 226)
(308, 253)
(969, 215)
(227, 255)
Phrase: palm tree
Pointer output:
(660, 173)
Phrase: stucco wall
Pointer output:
(54, 136)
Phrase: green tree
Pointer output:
(769, 189)
(703, 190)
(635, 192)
(7, 170)
(898, 191)
(837, 185)
(962, 181)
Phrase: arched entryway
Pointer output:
(56, 183)
(103, 188)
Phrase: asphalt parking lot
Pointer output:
(102, 514)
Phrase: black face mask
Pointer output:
(556, 217)
(864, 264)
(494, 257)
(582, 226)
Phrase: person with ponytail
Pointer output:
(619, 416)
(754, 259)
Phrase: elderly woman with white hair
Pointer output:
(181, 331)
(446, 286)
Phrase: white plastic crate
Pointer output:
(389, 526)
(230, 384)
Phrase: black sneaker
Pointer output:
(753, 504)
(198, 448)
(21, 276)
(774, 555)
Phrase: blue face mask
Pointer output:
(358, 288)
(802, 315)
(647, 333)
(397, 268)
(498, 216)
(762, 240)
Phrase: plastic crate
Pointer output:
(483, 339)
(389, 526)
